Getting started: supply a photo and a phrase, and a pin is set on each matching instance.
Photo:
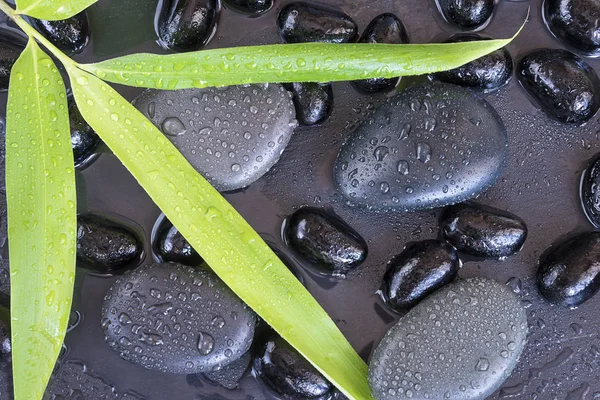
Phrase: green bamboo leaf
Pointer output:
(40, 185)
(52, 10)
(223, 238)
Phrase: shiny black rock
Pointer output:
(284, 371)
(6, 379)
(590, 191)
(487, 73)
(422, 268)
(229, 376)
(106, 246)
(9, 52)
(251, 7)
(561, 83)
(302, 22)
(325, 240)
(467, 14)
(170, 245)
(385, 28)
(83, 138)
(569, 275)
(186, 25)
(71, 35)
(313, 101)
(575, 22)
(483, 231)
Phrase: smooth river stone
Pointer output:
(429, 146)
(461, 342)
(232, 135)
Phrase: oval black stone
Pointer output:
(483, 231)
(590, 191)
(284, 371)
(575, 22)
(325, 240)
(467, 14)
(561, 83)
(488, 72)
(84, 139)
(9, 52)
(384, 28)
(252, 7)
(568, 274)
(170, 245)
(104, 245)
(174, 318)
(313, 101)
(302, 22)
(186, 25)
(71, 35)
(421, 269)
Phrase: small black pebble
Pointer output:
(9, 52)
(83, 138)
(251, 7)
(467, 14)
(487, 73)
(590, 191)
(283, 370)
(313, 102)
(422, 268)
(561, 83)
(575, 22)
(186, 25)
(385, 28)
(483, 231)
(70, 35)
(170, 245)
(302, 22)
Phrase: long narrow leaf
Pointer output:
(40, 184)
(52, 10)
(223, 238)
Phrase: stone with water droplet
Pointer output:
(284, 371)
(84, 139)
(436, 155)
(575, 23)
(229, 376)
(186, 25)
(10, 49)
(313, 102)
(170, 245)
(448, 346)
(230, 146)
(466, 14)
(589, 191)
(251, 7)
(73, 380)
(176, 333)
(70, 35)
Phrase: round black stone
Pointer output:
(71, 35)
(170, 245)
(590, 191)
(467, 14)
(313, 102)
(186, 25)
(575, 22)
(251, 7)
(84, 139)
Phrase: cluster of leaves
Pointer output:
(41, 184)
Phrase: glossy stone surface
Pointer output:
(486, 73)
(590, 191)
(561, 84)
(463, 341)
(233, 136)
(84, 140)
(302, 22)
(9, 52)
(251, 7)
(569, 273)
(70, 35)
(229, 376)
(384, 28)
(466, 14)
(325, 240)
(483, 231)
(421, 269)
(429, 146)
(575, 22)
(284, 371)
(313, 102)
(104, 245)
(178, 319)
(6, 377)
(170, 245)
(186, 25)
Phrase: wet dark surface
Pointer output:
(70, 35)
(539, 183)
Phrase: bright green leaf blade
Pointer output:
(223, 238)
(52, 10)
(40, 185)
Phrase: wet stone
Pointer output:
(70, 35)
(561, 84)
(590, 191)
(461, 342)
(6, 378)
(9, 52)
(385, 28)
(466, 14)
(284, 371)
(486, 73)
(74, 381)
(229, 376)
(575, 22)
(302, 22)
(170, 245)
(483, 231)
(429, 146)
(186, 25)
(105, 246)
(178, 319)
(251, 7)
(84, 139)
(325, 240)
(421, 269)
(232, 135)
(313, 102)
(568, 273)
